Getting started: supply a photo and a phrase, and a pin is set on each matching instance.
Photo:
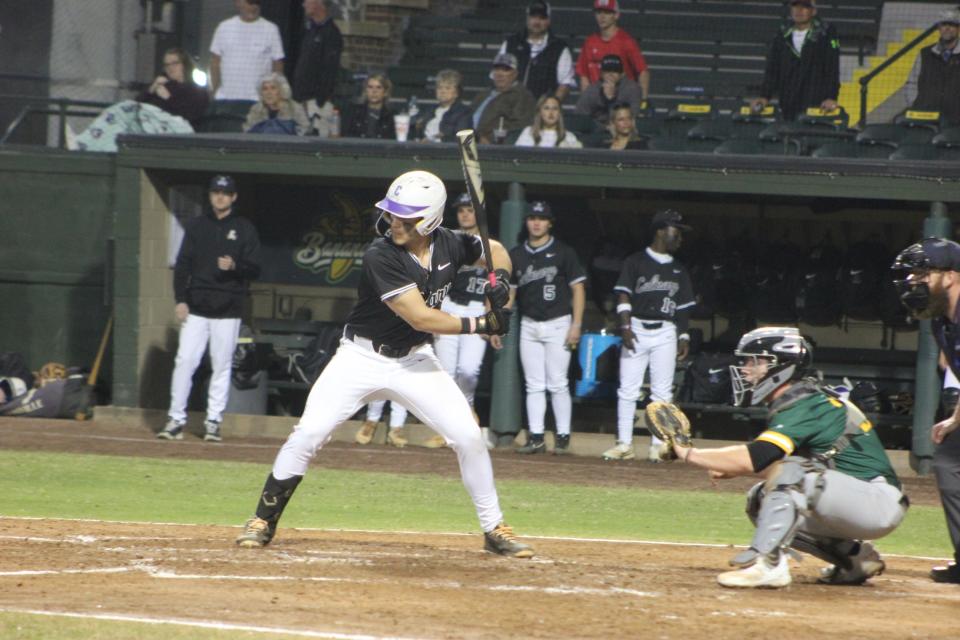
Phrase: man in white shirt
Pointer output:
(245, 48)
(546, 65)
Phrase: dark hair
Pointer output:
(185, 59)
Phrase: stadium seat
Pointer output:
(916, 152)
(843, 149)
(929, 120)
(889, 135)
(716, 130)
(580, 124)
(220, 123)
(948, 138)
(667, 143)
(838, 119)
(685, 116)
(744, 146)
(649, 126)
(747, 123)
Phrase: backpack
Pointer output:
(308, 365)
(772, 295)
(707, 379)
(13, 365)
(818, 291)
(861, 280)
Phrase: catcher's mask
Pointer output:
(787, 354)
(912, 266)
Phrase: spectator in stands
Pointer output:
(612, 89)
(547, 129)
(934, 82)
(171, 104)
(545, 65)
(508, 106)
(450, 116)
(803, 64)
(611, 39)
(276, 111)
(373, 118)
(318, 63)
(245, 48)
(623, 129)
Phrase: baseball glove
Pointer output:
(666, 421)
(48, 373)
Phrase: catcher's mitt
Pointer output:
(48, 373)
(666, 421)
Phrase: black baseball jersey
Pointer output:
(389, 270)
(657, 290)
(469, 286)
(542, 277)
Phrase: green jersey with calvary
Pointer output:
(813, 424)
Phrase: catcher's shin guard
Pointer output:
(777, 518)
(276, 494)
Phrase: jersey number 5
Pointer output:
(549, 292)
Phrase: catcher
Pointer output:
(828, 484)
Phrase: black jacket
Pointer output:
(355, 123)
(457, 117)
(315, 76)
(804, 80)
(938, 86)
(198, 281)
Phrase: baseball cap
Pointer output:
(941, 254)
(669, 218)
(13, 387)
(606, 5)
(611, 62)
(223, 183)
(806, 3)
(540, 209)
(505, 60)
(463, 200)
(949, 16)
(539, 8)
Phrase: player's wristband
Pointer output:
(468, 325)
(624, 306)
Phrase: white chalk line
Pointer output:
(204, 624)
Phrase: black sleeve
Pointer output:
(575, 272)
(248, 266)
(470, 247)
(385, 274)
(330, 65)
(763, 454)
(831, 74)
(771, 74)
(181, 271)
(628, 276)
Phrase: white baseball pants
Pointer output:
(545, 360)
(462, 356)
(196, 333)
(356, 375)
(655, 349)
(398, 414)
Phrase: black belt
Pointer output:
(376, 346)
(646, 324)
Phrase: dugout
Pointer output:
(311, 202)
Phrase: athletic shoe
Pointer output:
(256, 533)
(534, 445)
(561, 445)
(653, 453)
(620, 451)
(396, 438)
(172, 431)
(866, 564)
(502, 541)
(436, 442)
(762, 573)
(365, 434)
(948, 574)
(211, 430)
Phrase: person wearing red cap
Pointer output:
(611, 40)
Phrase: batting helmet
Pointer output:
(788, 355)
(415, 194)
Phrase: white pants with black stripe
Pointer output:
(655, 349)
(462, 356)
(196, 333)
(546, 359)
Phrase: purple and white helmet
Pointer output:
(414, 194)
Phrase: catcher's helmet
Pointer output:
(788, 356)
(915, 262)
(414, 194)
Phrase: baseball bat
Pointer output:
(471, 175)
(97, 362)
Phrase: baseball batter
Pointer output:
(828, 486)
(386, 353)
(219, 255)
(654, 302)
(550, 291)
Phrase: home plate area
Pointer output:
(348, 584)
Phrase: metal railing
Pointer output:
(61, 107)
(866, 79)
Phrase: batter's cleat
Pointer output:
(365, 434)
(762, 573)
(211, 431)
(949, 574)
(256, 533)
(561, 445)
(619, 451)
(653, 453)
(173, 430)
(534, 445)
(502, 542)
(396, 438)
(436, 442)
(866, 564)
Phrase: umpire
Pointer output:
(220, 254)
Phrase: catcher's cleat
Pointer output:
(396, 438)
(866, 564)
(211, 430)
(561, 446)
(435, 442)
(502, 541)
(619, 451)
(534, 445)
(365, 434)
(762, 573)
(173, 430)
(256, 533)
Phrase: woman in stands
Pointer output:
(172, 103)
(623, 129)
(547, 129)
(373, 118)
(276, 111)
(450, 116)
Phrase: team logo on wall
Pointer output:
(336, 244)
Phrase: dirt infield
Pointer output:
(377, 585)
